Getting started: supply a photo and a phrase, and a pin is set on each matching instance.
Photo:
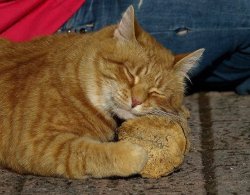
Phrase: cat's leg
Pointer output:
(72, 156)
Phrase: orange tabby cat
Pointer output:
(58, 96)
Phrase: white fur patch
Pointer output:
(137, 79)
(124, 114)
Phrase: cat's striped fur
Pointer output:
(58, 95)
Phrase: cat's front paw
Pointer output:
(132, 158)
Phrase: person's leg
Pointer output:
(231, 72)
(221, 27)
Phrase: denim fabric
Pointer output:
(221, 27)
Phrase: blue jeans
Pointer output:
(221, 27)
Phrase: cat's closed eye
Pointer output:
(156, 92)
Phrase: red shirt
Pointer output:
(22, 20)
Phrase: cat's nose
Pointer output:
(135, 102)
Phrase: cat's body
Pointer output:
(58, 95)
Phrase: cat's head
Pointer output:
(138, 75)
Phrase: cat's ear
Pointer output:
(184, 62)
(126, 28)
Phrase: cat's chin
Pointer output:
(124, 114)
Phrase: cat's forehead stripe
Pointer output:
(138, 68)
(144, 70)
(158, 78)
